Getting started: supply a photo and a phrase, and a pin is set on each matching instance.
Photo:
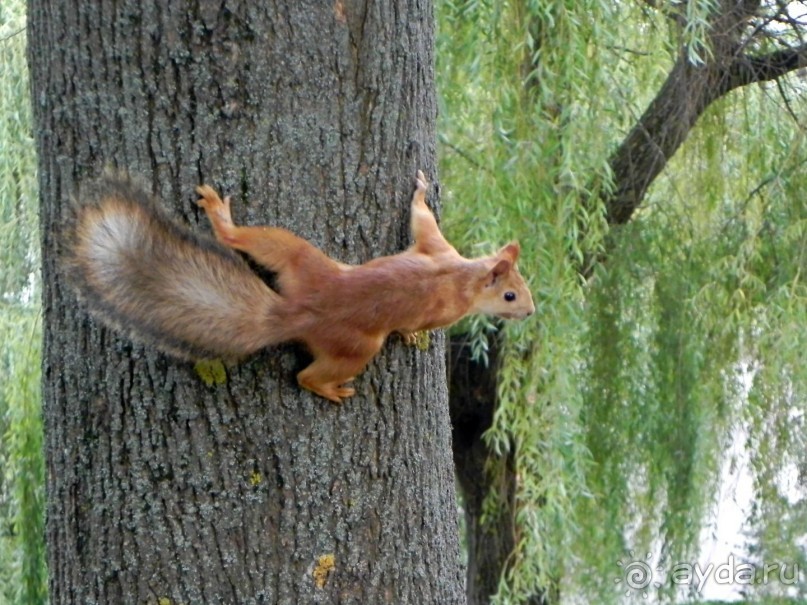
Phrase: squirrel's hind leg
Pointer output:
(218, 212)
(326, 376)
(272, 247)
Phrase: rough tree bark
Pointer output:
(685, 95)
(314, 116)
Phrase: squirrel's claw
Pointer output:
(422, 183)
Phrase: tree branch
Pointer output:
(658, 134)
(668, 120)
(750, 69)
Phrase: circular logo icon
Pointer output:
(637, 575)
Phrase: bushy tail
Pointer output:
(141, 272)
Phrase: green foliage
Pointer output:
(22, 556)
(521, 144)
(621, 396)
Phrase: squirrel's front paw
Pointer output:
(410, 338)
(420, 339)
(421, 182)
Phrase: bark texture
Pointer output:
(314, 116)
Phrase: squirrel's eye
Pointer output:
(509, 296)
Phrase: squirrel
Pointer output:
(139, 270)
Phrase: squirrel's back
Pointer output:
(140, 271)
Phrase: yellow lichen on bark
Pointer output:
(325, 565)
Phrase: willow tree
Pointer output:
(22, 570)
(670, 310)
(170, 485)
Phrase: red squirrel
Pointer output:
(139, 270)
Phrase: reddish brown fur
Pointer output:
(140, 270)
(427, 286)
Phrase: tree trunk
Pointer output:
(472, 386)
(160, 488)
(480, 472)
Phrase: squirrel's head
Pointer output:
(504, 292)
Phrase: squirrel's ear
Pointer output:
(510, 251)
(501, 268)
(503, 262)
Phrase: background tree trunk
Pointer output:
(314, 117)
(480, 472)
(472, 386)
